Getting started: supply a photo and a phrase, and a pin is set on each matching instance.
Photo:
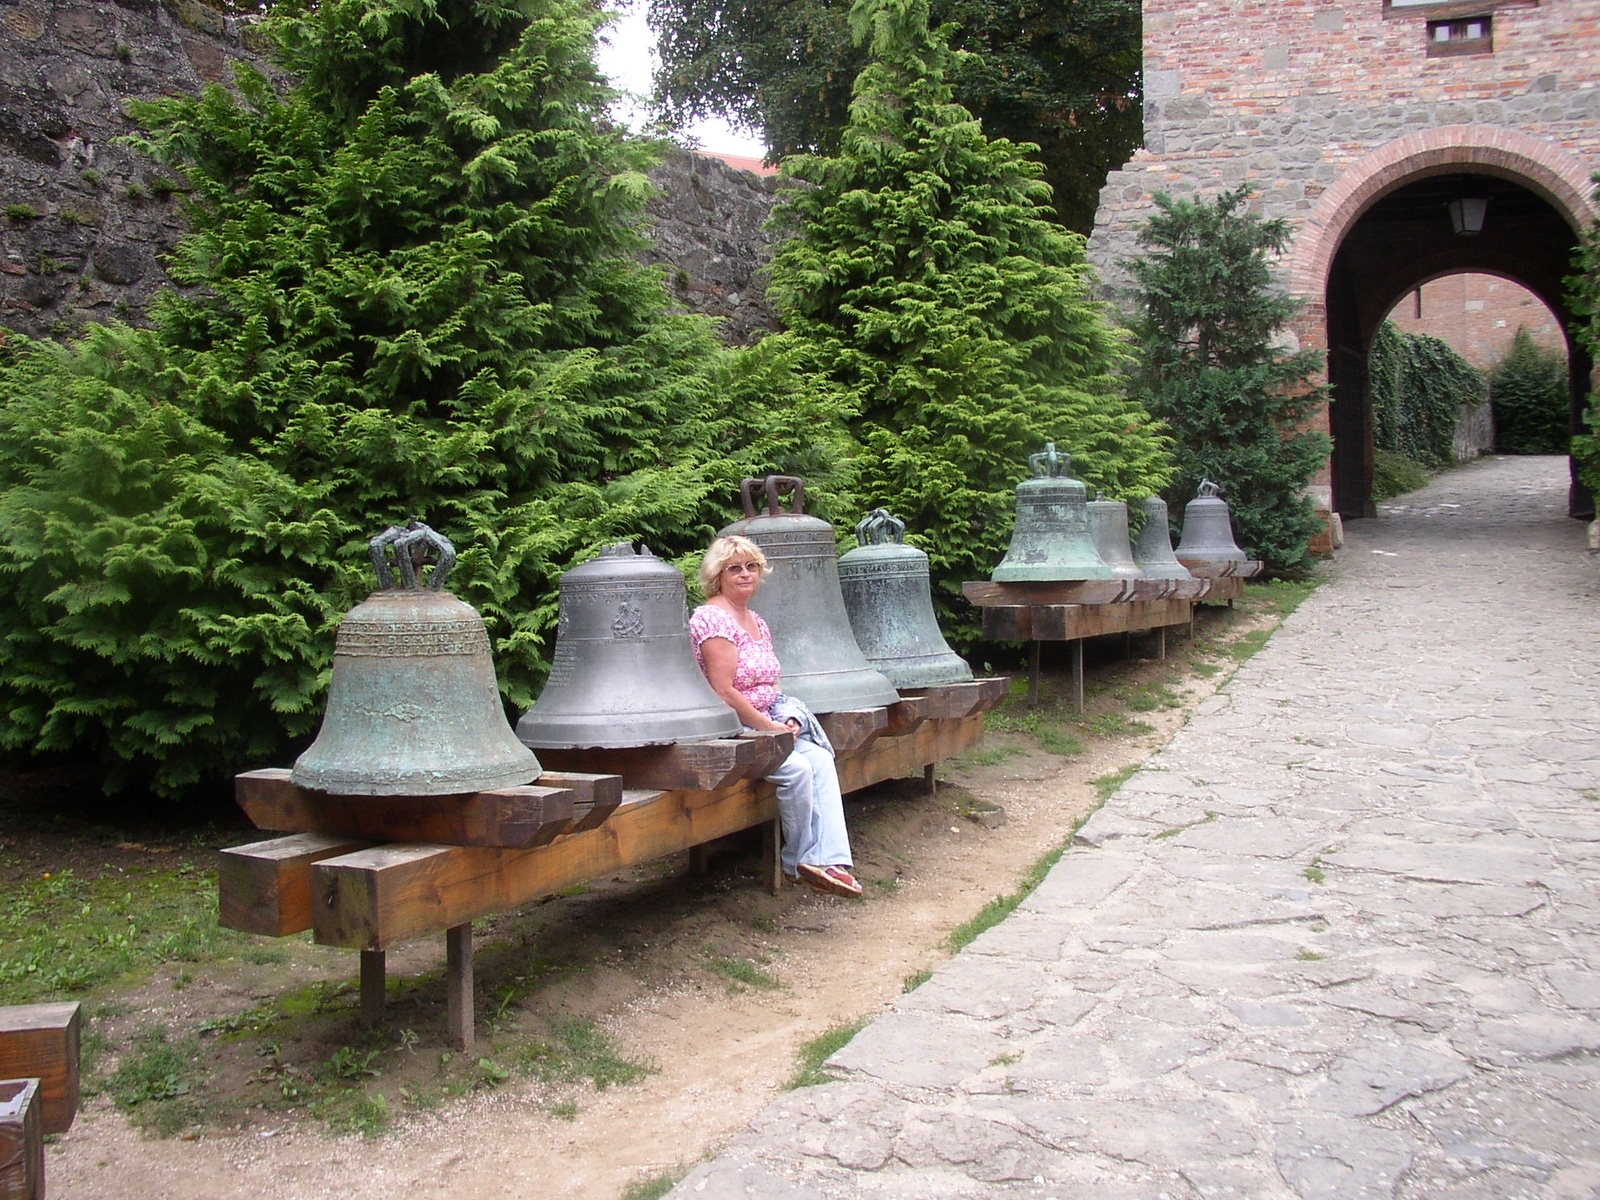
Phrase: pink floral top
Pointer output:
(757, 673)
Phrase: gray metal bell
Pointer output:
(624, 671)
(1153, 551)
(413, 707)
(1108, 521)
(1051, 541)
(889, 599)
(1207, 532)
(802, 604)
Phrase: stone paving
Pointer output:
(1338, 939)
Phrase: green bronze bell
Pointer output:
(1051, 541)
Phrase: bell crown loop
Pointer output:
(1050, 462)
(879, 527)
(1208, 490)
(773, 485)
(412, 545)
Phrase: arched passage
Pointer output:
(1384, 228)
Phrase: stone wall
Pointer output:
(1286, 96)
(85, 220)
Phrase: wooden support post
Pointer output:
(771, 862)
(21, 1140)
(1161, 642)
(1077, 673)
(1033, 674)
(931, 778)
(460, 1020)
(699, 858)
(374, 986)
(43, 1041)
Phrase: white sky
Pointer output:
(627, 56)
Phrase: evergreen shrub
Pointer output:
(928, 282)
(410, 289)
(1529, 392)
(1210, 366)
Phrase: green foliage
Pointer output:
(1209, 367)
(927, 282)
(1062, 76)
(1530, 393)
(1395, 475)
(411, 289)
(810, 1072)
(1419, 386)
(1583, 298)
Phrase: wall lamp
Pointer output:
(1466, 215)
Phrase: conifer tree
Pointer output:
(926, 277)
(1210, 366)
(411, 290)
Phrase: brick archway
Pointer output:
(1544, 168)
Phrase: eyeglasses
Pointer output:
(747, 568)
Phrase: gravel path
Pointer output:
(1338, 939)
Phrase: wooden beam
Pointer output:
(1066, 591)
(594, 797)
(906, 715)
(377, 897)
(852, 729)
(1008, 623)
(690, 766)
(21, 1140)
(265, 887)
(516, 817)
(45, 1041)
(953, 700)
(904, 757)
(1070, 622)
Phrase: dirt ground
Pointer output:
(706, 980)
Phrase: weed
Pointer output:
(819, 1049)
(1314, 872)
(888, 885)
(1114, 724)
(917, 979)
(124, 52)
(350, 1063)
(764, 924)
(1106, 786)
(71, 217)
(1177, 829)
(577, 1050)
(652, 1188)
(743, 971)
(351, 1110)
(21, 212)
(1005, 1060)
(1204, 669)
(992, 913)
(154, 1081)
(1055, 740)
(92, 177)
(1591, 794)
(492, 1074)
(1310, 956)
(136, 192)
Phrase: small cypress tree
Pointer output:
(413, 290)
(1528, 389)
(1210, 367)
(927, 280)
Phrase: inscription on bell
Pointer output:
(362, 639)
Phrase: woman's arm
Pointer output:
(722, 662)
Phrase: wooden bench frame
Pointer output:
(366, 894)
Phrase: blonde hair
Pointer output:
(720, 553)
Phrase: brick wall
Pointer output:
(1478, 315)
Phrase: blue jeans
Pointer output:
(811, 809)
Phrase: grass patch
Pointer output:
(63, 934)
(1105, 786)
(916, 979)
(819, 1049)
(1314, 872)
(1310, 956)
(156, 1082)
(991, 756)
(1055, 740)
(992, 913)
(1177, 829)
(652, 1188)
(743, 971)
(578, 1050)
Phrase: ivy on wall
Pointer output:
(1419, 386)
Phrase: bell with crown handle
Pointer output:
(1207, 545)
(889, 598)
(803, 605)
(1108, 522)
(1051, 541)
(624, 671)
(1153, 550)
(413, 707)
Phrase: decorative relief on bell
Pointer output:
(623, 672)
(413, 707)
